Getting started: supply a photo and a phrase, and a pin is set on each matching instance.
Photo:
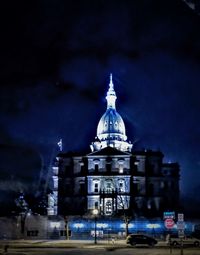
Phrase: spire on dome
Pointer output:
(111, 85)
(111, 95)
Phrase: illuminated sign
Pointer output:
(169, 215)
(169, 223)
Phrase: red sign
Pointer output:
(169, 223)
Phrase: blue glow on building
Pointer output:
(116, 225)
(84, 228)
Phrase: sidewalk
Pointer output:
(66, 243)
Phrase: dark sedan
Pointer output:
(135, 239)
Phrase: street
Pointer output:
(102, 251)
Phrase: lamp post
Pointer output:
(66, 228)
(95, 213)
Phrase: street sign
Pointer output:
(180, 225)
(169, 223)
(181, 233)
(169, 215)
(180, 217)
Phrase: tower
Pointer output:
(111, 130)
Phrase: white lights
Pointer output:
(78, 225)
(102, 225)
(111, 101)
(95, 212)
(54, 224)
(121, 170)
(130, 225)
(111, 96)
(29, 212)
(153, 226)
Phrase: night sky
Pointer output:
(55, 59)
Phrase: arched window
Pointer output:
(108, 187)
(96, 187)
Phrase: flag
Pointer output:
(60, 144)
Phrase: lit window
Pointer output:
(121, 170)
(162, 184)
(121, 186)
(149, 205)
(108, 187)
(108, 207)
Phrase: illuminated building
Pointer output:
(113, 178)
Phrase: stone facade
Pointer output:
(113, 181)
(113, 178)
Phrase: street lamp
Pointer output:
(95, 213)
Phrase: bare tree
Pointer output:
(24, 210)
(123, 201)
(123, 204)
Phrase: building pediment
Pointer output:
(110, 151)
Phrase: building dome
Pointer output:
(111, 129)
(111, 125)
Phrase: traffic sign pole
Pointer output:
(181, 229)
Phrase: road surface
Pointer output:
(102, 251)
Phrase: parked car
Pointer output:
(174, 240)
(134, 239)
